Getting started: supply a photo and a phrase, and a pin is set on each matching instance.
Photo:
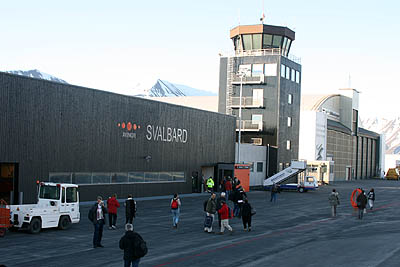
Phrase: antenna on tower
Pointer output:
(262, 14)
(349, 80)
(239, 16)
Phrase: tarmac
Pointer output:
(296, 231)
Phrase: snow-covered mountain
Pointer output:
(37, 74)
(389, 127)
(164, 88)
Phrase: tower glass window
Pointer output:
(289, 122)
(287, 73)
(247, 41)
(290, 99)
(267, 41)
(297, 76)
(256, 41)
(277, 42)
(293, 75)
(288, 144)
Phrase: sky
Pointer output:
(121, 45)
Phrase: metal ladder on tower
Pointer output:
(229, 87)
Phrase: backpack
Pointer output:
(140, 247)
(174, 204)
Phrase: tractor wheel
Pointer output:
(35, 226)
(301, 190)
(64, 223)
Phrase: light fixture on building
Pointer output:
(148, 158)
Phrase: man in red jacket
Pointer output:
(112, 204)
(224, 213)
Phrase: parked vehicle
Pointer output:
(303, 184)
(57, 206)
(4, 217)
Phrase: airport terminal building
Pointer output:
(104, 142)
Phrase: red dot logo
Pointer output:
(123, 125)
(119, 124)
(129, 126)
(134, 126)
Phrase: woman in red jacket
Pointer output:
(112, 204)
(224, 213)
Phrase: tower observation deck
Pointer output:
(262, 39)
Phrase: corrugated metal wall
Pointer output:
(51, 127)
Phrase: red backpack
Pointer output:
(174, 204)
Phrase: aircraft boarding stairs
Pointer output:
(295, 168)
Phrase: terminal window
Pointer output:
(260, 166)
(283, 70)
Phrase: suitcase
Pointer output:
(208, 221)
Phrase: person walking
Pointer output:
(127, 243)
(211, 209)
(112, 205)
(228, 187)
(241, 197)
(235, 184)
(274, 191)
(224, 213)
(210, 185)
(97, 217)
(334, 201)
(371, 198)
(246, 215)
(361, 204)
(130, 209)
(219, 206)
(175, 210)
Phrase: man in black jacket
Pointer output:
(127, 243)
(130, 209)
(97, 215)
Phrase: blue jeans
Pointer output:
(175, 216)
(134, 263)
(98, 232)
(273, 197)
(236, 209)
(228, 192)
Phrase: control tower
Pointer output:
(262, 81)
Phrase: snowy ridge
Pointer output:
(164, 88)
(389, 127)
(37, 74)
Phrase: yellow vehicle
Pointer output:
(392, 174)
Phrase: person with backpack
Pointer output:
(371, 198)
(361, 204)
(175, 210)
(225, 213)
(133, 245)
(211, 209)
(334, 201)
(112, 205)
(246, 215)
(130, 209)
(97, 215)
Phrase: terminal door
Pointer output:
(9, 182)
